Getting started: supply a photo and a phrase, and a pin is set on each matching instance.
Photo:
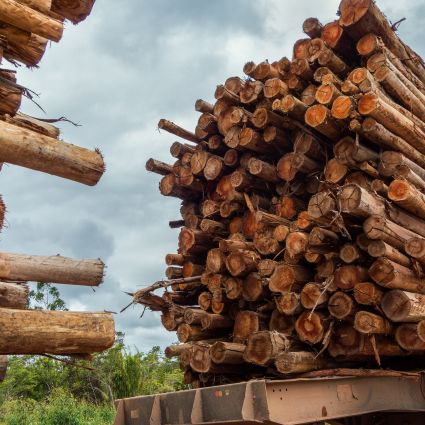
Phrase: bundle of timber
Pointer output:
(302, 241)
(26, 26)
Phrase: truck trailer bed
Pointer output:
(335, 400)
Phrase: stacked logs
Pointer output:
(26, 26)
(302, 240)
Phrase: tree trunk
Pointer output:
(54, 269)
(227, 353)
(391, 275)
(263, 347)
(33, 150)
(28, 19)
(55, 332)
(369, 323)
(402, 306)
(299, 362)
(13, 295)
(367, 293)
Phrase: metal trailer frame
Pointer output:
(334, 401)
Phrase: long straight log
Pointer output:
(368, 323)
(55, 332)
(391, 275)
(407, 196)
(54, 269)
(402, 306)
(14, 295)
(227, 353)
(28, 19)
(299, 362)
(33, 150)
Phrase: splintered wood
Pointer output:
(303, 210)
(26, 27)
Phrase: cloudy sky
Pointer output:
(117, 73)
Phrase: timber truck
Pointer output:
(347, 400)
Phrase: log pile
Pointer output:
(302, 229)
(26, 27)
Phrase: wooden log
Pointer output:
(263, 347)
(297, 242)
(216, 261)
(343, 107)
(313, 296)
(275, 88)
(323, 204)
(227, 353)
(74, 10)
(293, 163)
(346, 277)
(367, 293)
(363, 17)
(285, 276)
(233, 288)
(391, 275)
(251, 92)
(300, 48)
(356, 201)
(186, 333)
(379, 248)
(13, 295)
(407, 196)
(289, 303)
(350, 253)
(200, 359)
(193, 316)
(407, 337)
(415, 247)
(341, 306)
(348, 88)
(374, 106)
(172, 128)
(203, 106)
(281, 323)
(312, 27)
(246, 323)
(337, 39)
(378, 227)
(311, 327)
(28, 19)
(253, 288)
(26, 332)
(263, 170)
(298, 362)
(193, 241)
(216, 321)
(402, 306)
(349, 151)
(175, 350)
(329, 59)
(38, 152)
(320, 118)
(54, 269)
(158, 167)
(174, 272)
(308, 95)
(368, 323)
(240, 263)
(277, 137)
(326, 94)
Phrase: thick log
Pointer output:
(312, 27)
(216, 321)
(263, 347)
(175, 350)
(407, 336)
(186, 333)
(281, 323)
(275, 88)
(343, 107)
(313, 295)
(293, 163)
(346, 277)
(38, 152)
(311, 327)
(402, 306)
(194, 241)
(289, 303)
(377, 227)
(362, 17)
(299, 362)
(367, 293)
(391, 275)
(74, 10)
(415, 247)
(240, 263)
(246, 323)
(263, 170)
(379, 248)
(338, 40)
(341, 306)
(27, 19)
(323, 204)
(368, 323)
(227, 353)
(350, 152)
(386, 114)
(55, 332)
(356, 201)
(320, 118)
(14, 295)
(407, 196)
(253, 288)
(285, 276)
(54, 269)
(350, 253)
(326, 94)
(297, 242)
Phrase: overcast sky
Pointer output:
(117, 73)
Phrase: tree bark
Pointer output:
(402, 306)
(299, 362)
(55, 332)
(379, 248)
(356, 201)
(38, 152)
(54, 269)
(28, 19)
(227, 353)
(13, 295)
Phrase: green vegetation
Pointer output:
(40, 390)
